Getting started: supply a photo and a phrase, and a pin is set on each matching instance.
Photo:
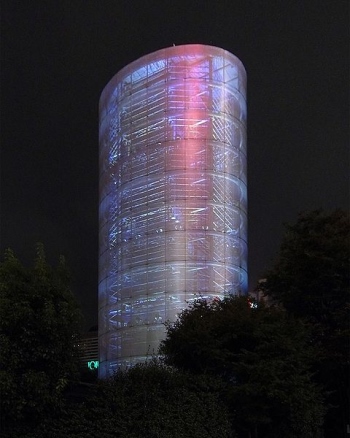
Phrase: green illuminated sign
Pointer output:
(93, 364)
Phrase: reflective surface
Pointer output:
(173, 198)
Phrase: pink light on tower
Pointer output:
(173, 200)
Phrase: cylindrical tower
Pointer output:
(173, 194)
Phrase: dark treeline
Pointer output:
(236, 367)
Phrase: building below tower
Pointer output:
(173, 194)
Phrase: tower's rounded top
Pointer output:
(186, 55)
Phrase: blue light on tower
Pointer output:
(173, 195)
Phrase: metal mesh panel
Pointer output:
(173, 197)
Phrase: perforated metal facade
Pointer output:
(173, 196)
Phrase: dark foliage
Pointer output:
(311, 279)
(39, 321)
(149, 400)
(261, 355)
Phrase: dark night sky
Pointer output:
(57, 56)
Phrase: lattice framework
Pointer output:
(173, 196)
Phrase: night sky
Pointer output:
(56, 58)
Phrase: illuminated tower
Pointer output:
(173, 194)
